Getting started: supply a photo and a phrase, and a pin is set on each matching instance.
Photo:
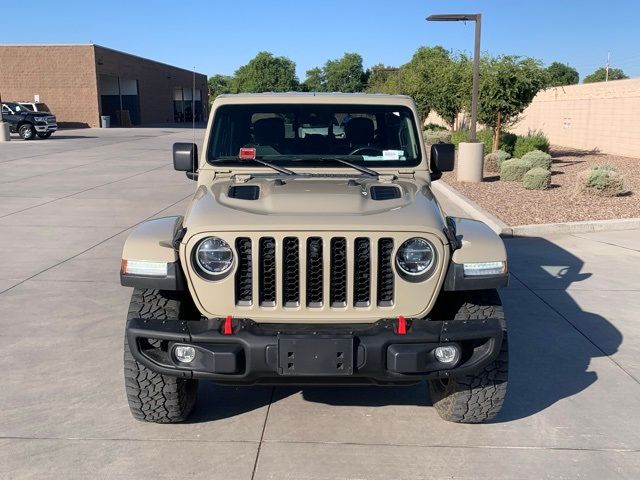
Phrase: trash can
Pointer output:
(105, 121)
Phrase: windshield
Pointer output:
(368, 135)
(15, 107)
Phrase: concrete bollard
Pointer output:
(5, 134)
(470, 160)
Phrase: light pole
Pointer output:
(470, 155)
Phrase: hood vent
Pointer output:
(385, 192)
(244, 192)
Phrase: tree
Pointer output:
(219, 84)
(600, 75)
(451, 87)
(266, 73)
(315, 80)
(344, 74)
(384, 79)
(561, 74)
(507, 86)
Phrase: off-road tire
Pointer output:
(44, 135)
(154, 397)
(473, 398)
(27, 131)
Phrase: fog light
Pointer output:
(184, 353)
(447, 354)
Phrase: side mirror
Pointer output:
(442, 159)
(185, 159)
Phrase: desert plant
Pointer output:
(530, 142)
(538, 159)
(483, 136)
(437, 136)
(537, 179)
(434, 126)
(513, 170)
(601, 180)
(508, 142)
(493, 161)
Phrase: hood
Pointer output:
(314, 203)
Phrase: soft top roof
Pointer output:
(315, 98)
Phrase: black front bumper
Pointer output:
(310, 353)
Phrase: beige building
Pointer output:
(80, 83)
(604, 116)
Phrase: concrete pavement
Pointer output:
(66, 206)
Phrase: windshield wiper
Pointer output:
(355, 166)
(286, 171)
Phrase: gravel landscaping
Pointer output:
(515, 205)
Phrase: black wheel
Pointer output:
(154, 397)
(44, 134)
(472, 398)
(27, 131)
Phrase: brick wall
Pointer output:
(156, 82)
(63, 76)
(603, 116)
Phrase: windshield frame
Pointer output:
(322, 160)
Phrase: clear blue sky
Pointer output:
(219, 36)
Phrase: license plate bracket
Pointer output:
(305, 355)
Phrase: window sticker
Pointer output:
(392, 154)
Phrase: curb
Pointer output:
(504, 230)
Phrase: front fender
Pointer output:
(479, 244)
(151, 242)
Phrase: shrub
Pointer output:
(538, 159)
(530, 142)
(484, 136)
(513, 170)
(508, 142)
(537, 179)
(434, 126)
(601, 180)
(493, 161)
(436, 136)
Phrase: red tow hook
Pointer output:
(227, 328)
(402, 325)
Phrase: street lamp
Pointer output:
(470, 157)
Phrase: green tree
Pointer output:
(315, 80)
(507, 86)
(383, 79)
(219, 84)
(344, 74)
(266, 73)
(450, 88)
(561, 74)
(600, 75)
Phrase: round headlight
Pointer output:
(416, 258)
(214, 257)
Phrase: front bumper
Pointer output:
(257, 353)
(48, 127)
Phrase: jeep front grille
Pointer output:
(315, 272)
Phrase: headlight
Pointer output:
(416, 259)
(213, 258)
(40, 119)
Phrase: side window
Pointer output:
(6, 110)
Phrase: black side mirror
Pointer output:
(185, 159)
(442, 159)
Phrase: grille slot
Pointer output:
(244, 273)
(362, 273)
(267, 265)
(290, 272)
(244, 192)
(384, 192)
(385, 272)
(338, 289)
(314, 272)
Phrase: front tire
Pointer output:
(478, 397)
(154, 397)
(26, 131)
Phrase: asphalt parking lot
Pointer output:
(66, 207)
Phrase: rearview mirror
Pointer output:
(442, 159)
(185, 158)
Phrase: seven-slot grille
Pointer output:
(314, 272)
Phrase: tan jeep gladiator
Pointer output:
(314, 255)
